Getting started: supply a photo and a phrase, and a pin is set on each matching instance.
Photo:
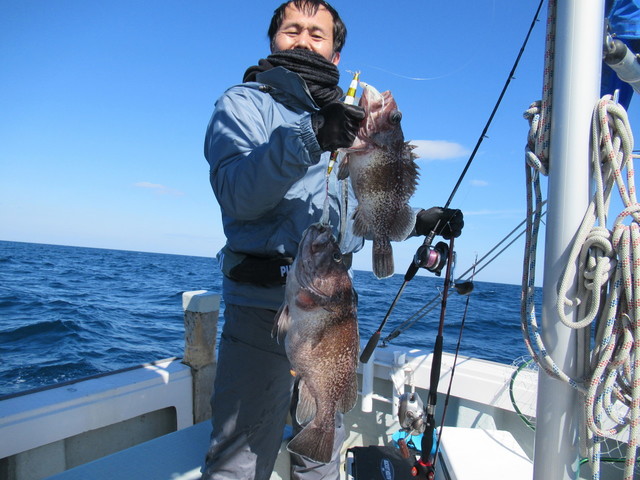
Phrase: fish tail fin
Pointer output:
(314, 443)
(382, 257)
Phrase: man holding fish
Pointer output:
(290, 307)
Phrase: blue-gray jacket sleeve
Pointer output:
(254, 157)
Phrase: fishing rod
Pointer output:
(453, 371)
(421, 258)
(349, 99)
(425, 465)
(463, 287)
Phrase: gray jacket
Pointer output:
(269, 176)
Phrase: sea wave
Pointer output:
(69, 312)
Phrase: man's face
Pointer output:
(299, 30)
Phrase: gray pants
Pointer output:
(251, 399)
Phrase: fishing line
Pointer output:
(422, 79)
(413, 267)
(412, 320)
(495, 108)
(500, 243)
(430, 305)
(470, 59)
(453, 368)
(349, 99)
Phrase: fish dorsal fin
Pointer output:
(403, 224)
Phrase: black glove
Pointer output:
(336, 125)
(451, 222)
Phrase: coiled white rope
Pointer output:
(605, 265)
(610, 260)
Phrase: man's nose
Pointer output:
(303, 41)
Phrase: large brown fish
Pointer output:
(384, 176)
(318, 317)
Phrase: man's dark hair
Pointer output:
(310, 7)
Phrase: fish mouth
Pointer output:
(372, 101)
(319, 235)
(317, 255)
(316, 229)
(381, 112)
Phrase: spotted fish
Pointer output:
(384, 176)
(320, 329)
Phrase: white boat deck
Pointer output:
(467, 453)
(176, 456)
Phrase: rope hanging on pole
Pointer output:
(609, 261)
(605, 266)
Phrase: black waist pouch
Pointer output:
(261, 271)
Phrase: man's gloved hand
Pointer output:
(451, 222)
(336, 125)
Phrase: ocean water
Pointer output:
(71, 312)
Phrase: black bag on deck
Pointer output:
(379, 463)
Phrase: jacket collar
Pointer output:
(288, 88)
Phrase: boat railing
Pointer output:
(57, 428)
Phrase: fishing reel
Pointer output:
(432, 258)
(411, 413)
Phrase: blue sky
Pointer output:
(104, 105)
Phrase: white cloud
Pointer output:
(438, 149)
(479, 183)
(158, 188)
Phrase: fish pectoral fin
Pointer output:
(306, 407)
(282, 323)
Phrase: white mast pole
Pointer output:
(576, 88)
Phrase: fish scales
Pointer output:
(318, 321)
(384, 176)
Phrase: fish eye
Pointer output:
(395, 117)
(337, 257)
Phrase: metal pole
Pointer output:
(576, 87)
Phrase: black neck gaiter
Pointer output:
(320, 75)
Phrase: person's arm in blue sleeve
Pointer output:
(251, 167)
